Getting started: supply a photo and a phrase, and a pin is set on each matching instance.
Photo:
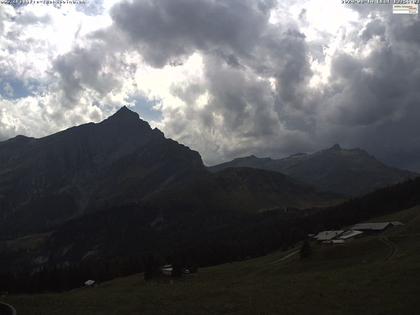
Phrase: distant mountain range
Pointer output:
(347, 172)
(122, 160)
(119, 187)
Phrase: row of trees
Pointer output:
(228, 245)
(65, 277)
(60, 278)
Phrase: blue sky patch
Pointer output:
(144, 108)
(12, 88)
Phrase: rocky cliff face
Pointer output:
(46, 181)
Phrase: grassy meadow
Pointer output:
(372, 275)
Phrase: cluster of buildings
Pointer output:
(90, 283)
(358, 230)
(168, 270)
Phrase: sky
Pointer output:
(228, 78)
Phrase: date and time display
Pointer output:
(398, 6)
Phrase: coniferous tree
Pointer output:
(305, 250)
(151, 268)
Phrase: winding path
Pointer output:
(391, 245)
(285, 257)
(6, 309)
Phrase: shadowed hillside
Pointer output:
(360, 277)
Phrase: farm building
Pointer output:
(327, 235)
(375, 227)
(372, 227)
(336, 237)
(167, 270)
(350, 234)
(340, 236)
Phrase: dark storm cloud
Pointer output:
(393, 73)
(292, 67)
(406, 30)
(373, 100)
(84, 68)
(374, 28)
(244, 102)
(370, 90)
(167, 29)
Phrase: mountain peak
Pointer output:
(21, 138)
(18, 139)
(125, 117)
(125, 113)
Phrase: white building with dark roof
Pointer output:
(373, 227)
(350, 234)
(167, 270)
(328, 235)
